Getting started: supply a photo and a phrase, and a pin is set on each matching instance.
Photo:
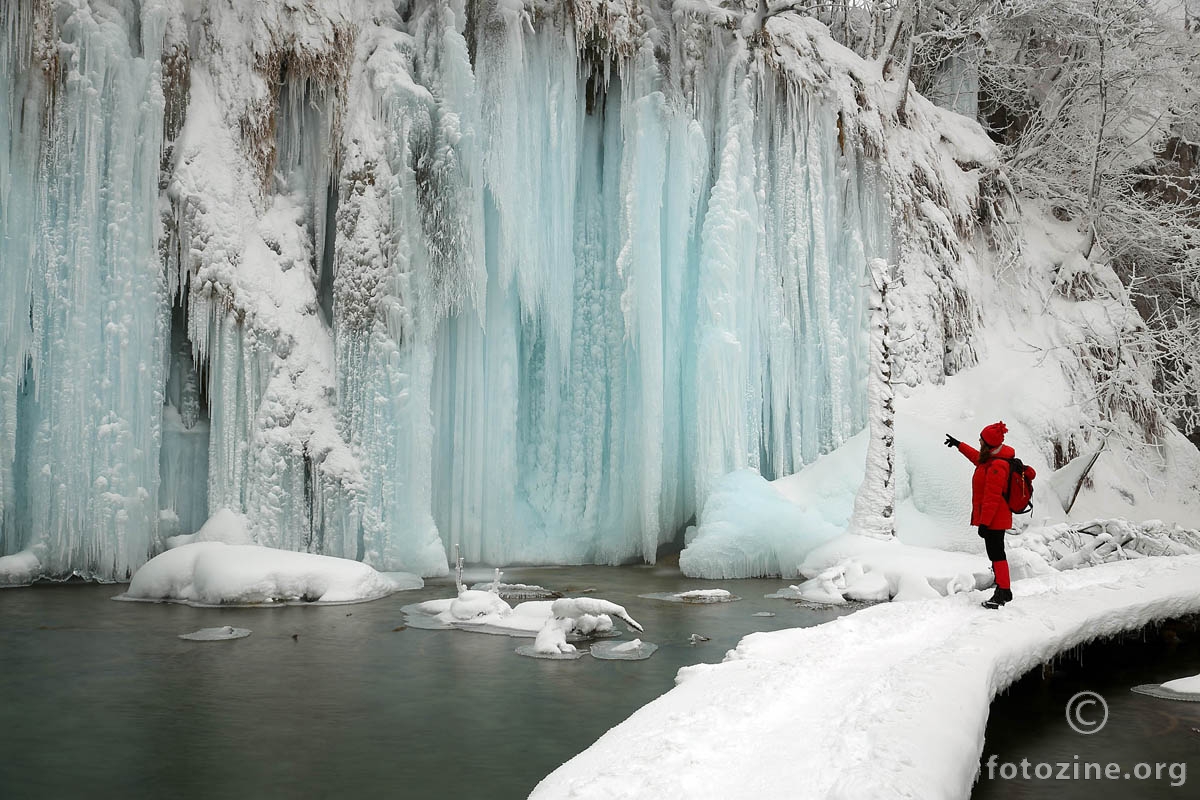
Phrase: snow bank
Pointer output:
(750, 527)
(863, 568)
(898, 692)
(213, 573)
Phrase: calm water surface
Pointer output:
(100, 699)
(1029, 721)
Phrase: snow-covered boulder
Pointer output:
(213, 573)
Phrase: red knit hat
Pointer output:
(993, 435)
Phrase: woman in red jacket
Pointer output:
(989, 509)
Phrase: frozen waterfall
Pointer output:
(490, 275)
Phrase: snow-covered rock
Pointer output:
(214, 573)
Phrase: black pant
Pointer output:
(993, 540)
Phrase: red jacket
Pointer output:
(988, 506)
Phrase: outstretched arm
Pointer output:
(970, 452)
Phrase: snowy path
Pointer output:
(889, 702)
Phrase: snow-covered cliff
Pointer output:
(527, 277)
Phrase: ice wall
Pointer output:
(669, 286)
(82, 331)
(527, 278)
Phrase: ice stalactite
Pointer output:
(669, 295)
(385, 271)
(183, 457)
(83, 349)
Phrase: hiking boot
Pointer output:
(998, 598)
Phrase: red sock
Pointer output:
(1001, 570)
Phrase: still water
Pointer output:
(100, 699)
(1029, 722)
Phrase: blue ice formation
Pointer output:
(486, 275)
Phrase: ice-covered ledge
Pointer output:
(889, 702)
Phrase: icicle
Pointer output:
(83, 434)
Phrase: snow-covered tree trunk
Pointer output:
(875, 505)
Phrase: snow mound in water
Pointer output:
(212, 573)
(694, 596)
(1185, 685)
(19, 569)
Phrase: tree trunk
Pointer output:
(875, 504)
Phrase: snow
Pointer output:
(214, 573)
(550, 622)
(19, 569)
(224, 526)
(1189, 685)
(694, 596)
(532, 651)
(704, 594)
(878, 567)
(1082, 544)
(900, 692)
